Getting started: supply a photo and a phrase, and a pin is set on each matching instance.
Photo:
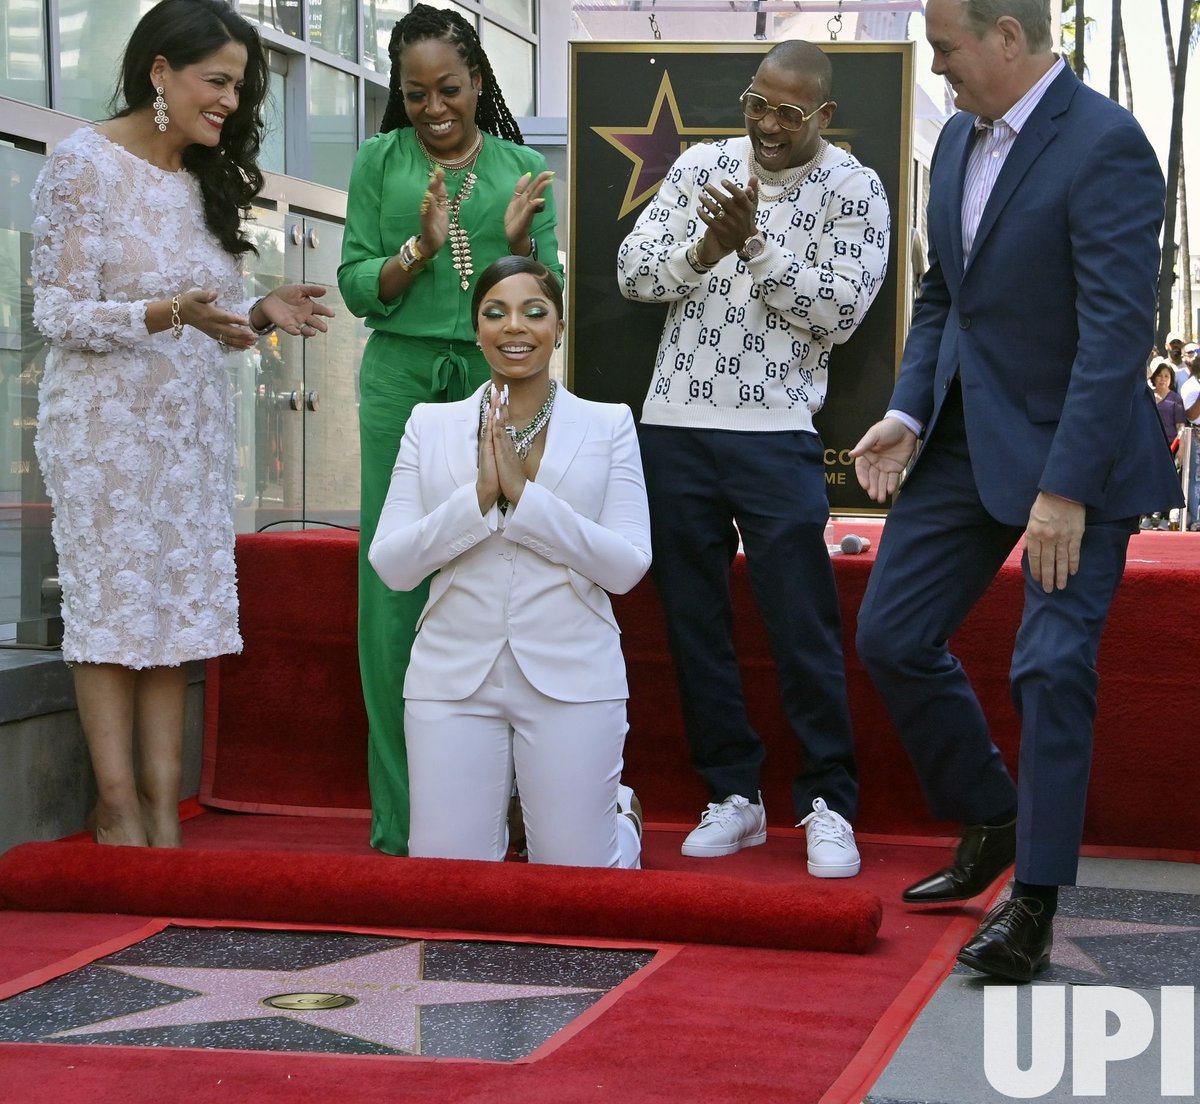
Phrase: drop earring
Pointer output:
(160, 109)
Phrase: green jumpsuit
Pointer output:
(422, 349)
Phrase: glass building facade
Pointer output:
(296, 402)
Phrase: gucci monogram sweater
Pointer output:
(746, 345)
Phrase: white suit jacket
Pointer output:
(534, 579)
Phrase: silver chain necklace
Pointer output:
(522, 439)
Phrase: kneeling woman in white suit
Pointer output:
(529, 503)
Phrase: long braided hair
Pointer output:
(425, 22)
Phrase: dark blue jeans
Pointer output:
(705, 487)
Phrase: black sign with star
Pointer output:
(636, 106)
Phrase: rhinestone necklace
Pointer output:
(522, 439)
(460, 244)
(789, 182)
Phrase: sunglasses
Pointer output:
(789, 116)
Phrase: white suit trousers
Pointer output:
(566, 756)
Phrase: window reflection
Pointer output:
(23, 67)
(272, 154)
(379, 17)
(512, 62)
(332, 125)
(331, 25)
(92, 38)
(26, 551)
(283, 15)
(519, 12)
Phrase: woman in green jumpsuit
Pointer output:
(444, 189)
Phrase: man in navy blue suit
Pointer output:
(1021, 413)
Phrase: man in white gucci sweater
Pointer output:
(769, 248)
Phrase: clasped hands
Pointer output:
(501, 470)
(292, 308)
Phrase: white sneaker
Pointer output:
(831, 849)
(727, 827)
(629, 828)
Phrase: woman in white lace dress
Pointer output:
(137, 288)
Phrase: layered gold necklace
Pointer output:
(783, 184)
(460, 244)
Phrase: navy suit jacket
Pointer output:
(1050, 320)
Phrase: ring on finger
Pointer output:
(720, 213)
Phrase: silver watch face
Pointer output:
(751, 248)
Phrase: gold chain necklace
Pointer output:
(788, 183)
(460, 244)
(457, 164)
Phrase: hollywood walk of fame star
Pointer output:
(1068, 954)
(654, 147)
(387, 986)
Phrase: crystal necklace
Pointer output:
(789, 182)
(522, 439)
(460, 244)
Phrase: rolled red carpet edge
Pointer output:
(375, 890)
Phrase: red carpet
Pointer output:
(377, 891)
(293, 729)
(718, 1023)
(286, 731)
(722, 1023)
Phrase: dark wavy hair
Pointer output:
(425, 22)
(513, 265)
(185, 32)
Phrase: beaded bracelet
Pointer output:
(176, 321)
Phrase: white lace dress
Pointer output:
(135, 430)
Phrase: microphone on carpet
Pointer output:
(853, 544)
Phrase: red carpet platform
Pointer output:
(285, 729)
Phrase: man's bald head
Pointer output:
(803, 59)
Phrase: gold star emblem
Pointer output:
(654, 147)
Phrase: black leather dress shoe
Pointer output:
(1013, 942)
(983, 854)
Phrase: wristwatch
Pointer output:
(752, 247)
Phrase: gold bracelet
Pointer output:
(176, 321)
(692, 256)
